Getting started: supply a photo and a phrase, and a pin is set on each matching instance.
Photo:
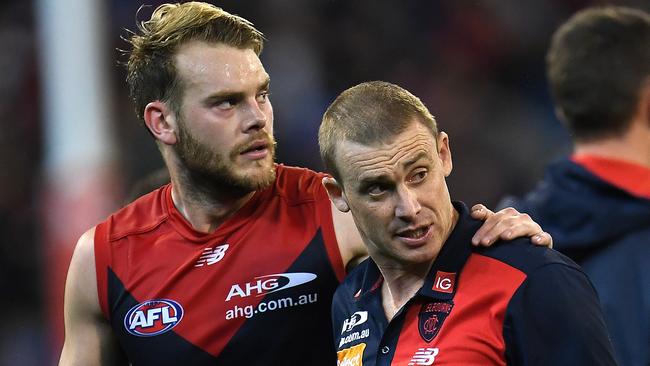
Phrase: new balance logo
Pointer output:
(211, 256)
(424, 356)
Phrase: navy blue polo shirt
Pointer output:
(513, 303)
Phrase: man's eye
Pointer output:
(263, 97)
(376, 190)
(418, 177)
(225, 104)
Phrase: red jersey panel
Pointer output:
(255, 291)
(473, 332)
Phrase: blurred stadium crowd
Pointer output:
(478, 65)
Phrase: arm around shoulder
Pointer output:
(555, 318)
(88, 336)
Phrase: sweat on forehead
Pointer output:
(369, 113)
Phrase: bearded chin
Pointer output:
(206, 169)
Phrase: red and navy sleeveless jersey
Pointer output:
(510, 304)
(256, 291)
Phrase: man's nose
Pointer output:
(255, 118)
(408, 205)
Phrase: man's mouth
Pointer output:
(257, 150)
(415, 236)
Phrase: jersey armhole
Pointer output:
(102, 260)
(324, 210)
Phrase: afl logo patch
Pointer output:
(153, 317)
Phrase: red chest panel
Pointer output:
(276, 256)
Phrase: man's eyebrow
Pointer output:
(265, 84)
(236, 95)
(223, 95)
(370, 179)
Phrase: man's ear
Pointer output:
(161, 121)
(337, 196)
(444, 153)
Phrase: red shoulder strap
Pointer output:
(102, 264)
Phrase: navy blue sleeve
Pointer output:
(554, 318)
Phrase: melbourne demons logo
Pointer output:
(431, 317)
(153, 317)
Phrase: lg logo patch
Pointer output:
(444, 282)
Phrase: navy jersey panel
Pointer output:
(302, 341)
(358, 322)
(168, 349)
(553, 320)
(606, 230)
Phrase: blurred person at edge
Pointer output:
(596, 203)
(236, 260)
(426, 296)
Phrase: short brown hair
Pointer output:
(151, 71)
(596, 65)
(369, 113)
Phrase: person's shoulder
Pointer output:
(525, 256)
(141, 215)
(351, 285)
(298, 185)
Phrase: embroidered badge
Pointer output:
(432, 316)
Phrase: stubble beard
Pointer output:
(210, 170)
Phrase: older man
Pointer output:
(426, 295)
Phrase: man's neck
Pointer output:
(205, 203)
(205, 211)
(633, 146)
(400, 286)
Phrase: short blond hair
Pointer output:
(369, 113)
(151, 72)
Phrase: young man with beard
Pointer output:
(596, 203)
(235, 261)
(426, 295)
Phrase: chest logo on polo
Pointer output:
(264, 285)
(352, 356)
(431, 317)
(153, 317)
(357, 318)
(424, 356)
(444, 282)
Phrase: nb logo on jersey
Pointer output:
(153, 317)
(424, 356)
(211, 256)
(357, 318)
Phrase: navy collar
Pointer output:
(441, 281)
